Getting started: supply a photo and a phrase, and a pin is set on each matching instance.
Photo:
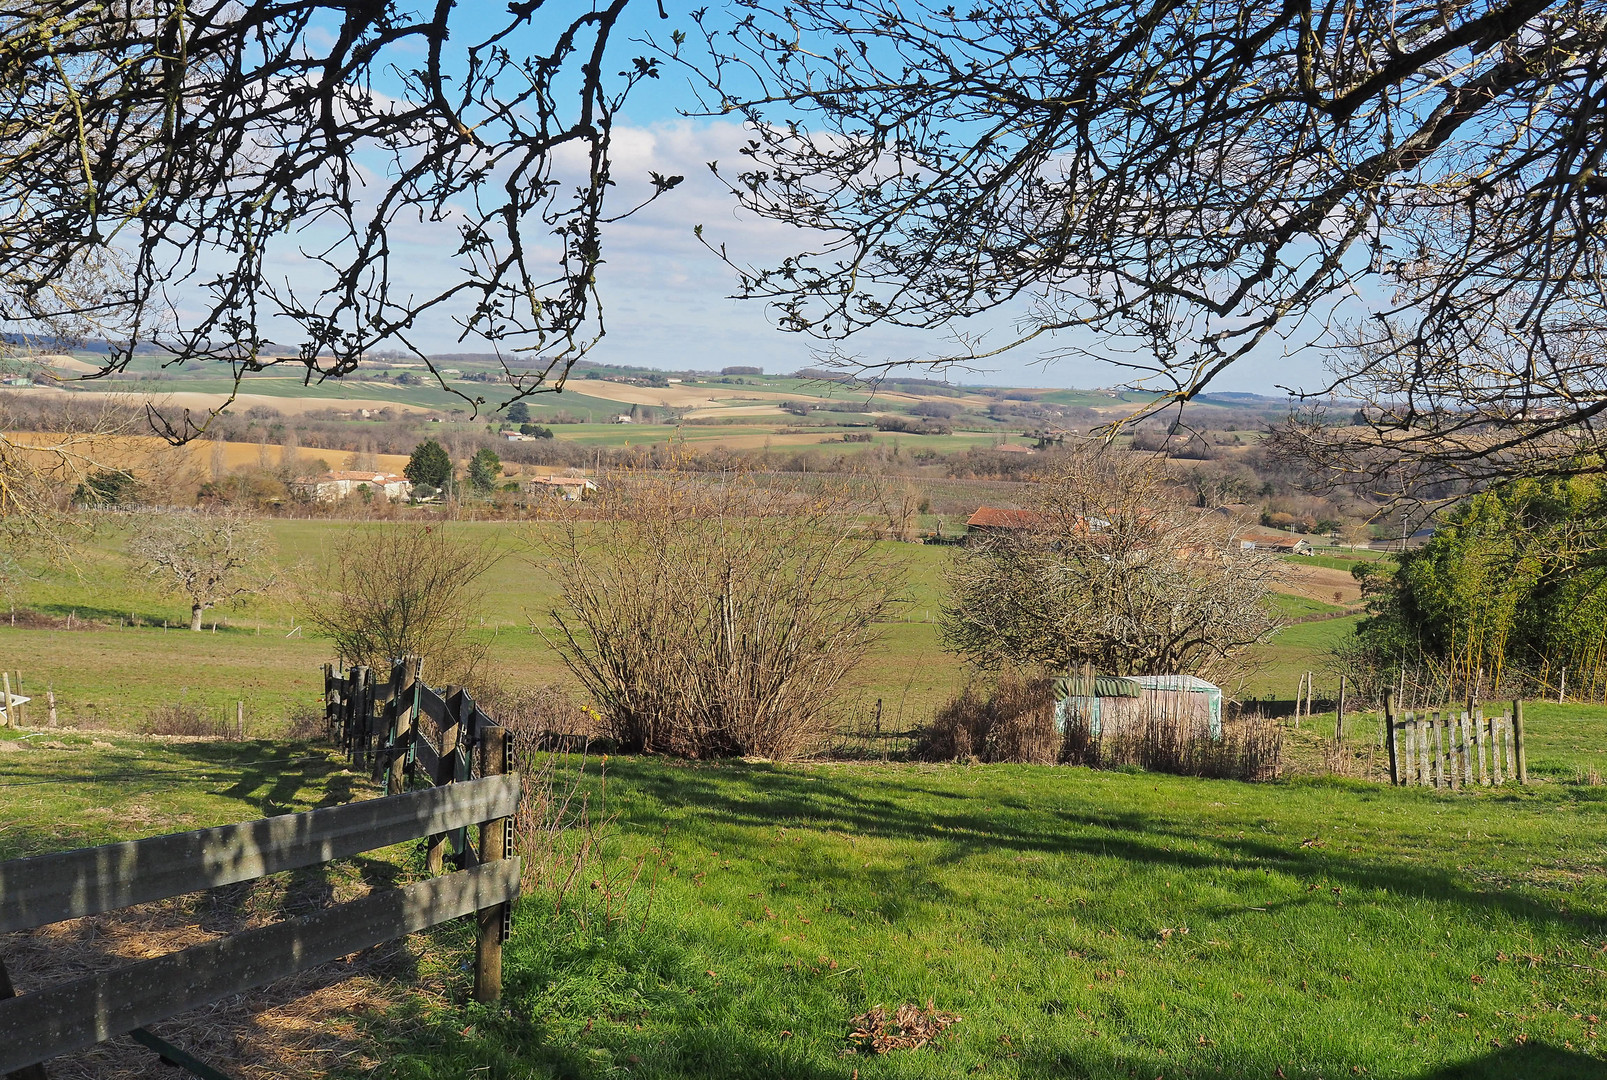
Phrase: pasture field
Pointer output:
(119, 663)
(110, 672)
(1081, 924)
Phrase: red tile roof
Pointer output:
(993, 517)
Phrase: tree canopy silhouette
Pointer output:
(1414, 187)
(160, 155)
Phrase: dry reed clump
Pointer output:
(1250, 747)
(186, 719)
(1014, 722)
(304, 1025)
(564, 828)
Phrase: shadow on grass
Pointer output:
(1531, 1061)
(767, 796)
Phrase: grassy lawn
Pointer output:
(1083, 925)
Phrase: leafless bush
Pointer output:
(391, 590)
(1014, 721)
(536, 715)
(710, 618)
(306, 724)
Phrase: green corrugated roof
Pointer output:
(1103, 686)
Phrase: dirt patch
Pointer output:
(39, 620)
(1320, 583)
(304, 1025)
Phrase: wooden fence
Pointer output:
(1454, 749)
(864, 736)
(464, 777)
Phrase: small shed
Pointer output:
(1114, 705)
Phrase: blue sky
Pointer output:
(666, 298)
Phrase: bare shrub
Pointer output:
(306, 724)
(537, 716)
(711, 618)
(391, 590)
(1014, 722)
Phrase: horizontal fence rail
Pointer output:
(458, 759)
(75, 1015)
(88, 881)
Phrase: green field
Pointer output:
(107, 673)
(1081, 924)
(110, 671)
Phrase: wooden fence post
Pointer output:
(496, 754)
(1478, 735)
(404, 699)
(1425, 775)
(1497, 777)
(1339, 714)
(356, 721)
(1507, 740)
(50, 704)
(446, 773)
(1389, 737)
(1468, 779)
(1517, 738)
(1436, 729)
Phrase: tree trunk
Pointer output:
(195, 616)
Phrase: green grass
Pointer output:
(1295, 650)
(1297, 607)
(68, 790)
(1083, 924)
(112, 675)
(1338, 562)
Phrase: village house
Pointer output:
(993, 519)
(333, 486)
(1277, 543)
(568, 488)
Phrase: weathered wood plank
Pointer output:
(431, 704)
(61, 1019)
(72, 884)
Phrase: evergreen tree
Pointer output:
(518, 413)
(429, 466)
(483, 470)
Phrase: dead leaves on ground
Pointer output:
(910, 1028)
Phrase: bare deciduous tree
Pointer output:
(206, 557)
(1177, 185)
(1110, 569)
(390, 590)
(716, 617)
(199, 141)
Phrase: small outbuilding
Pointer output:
(1112, 706)
(568, 488)
(336, 485)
